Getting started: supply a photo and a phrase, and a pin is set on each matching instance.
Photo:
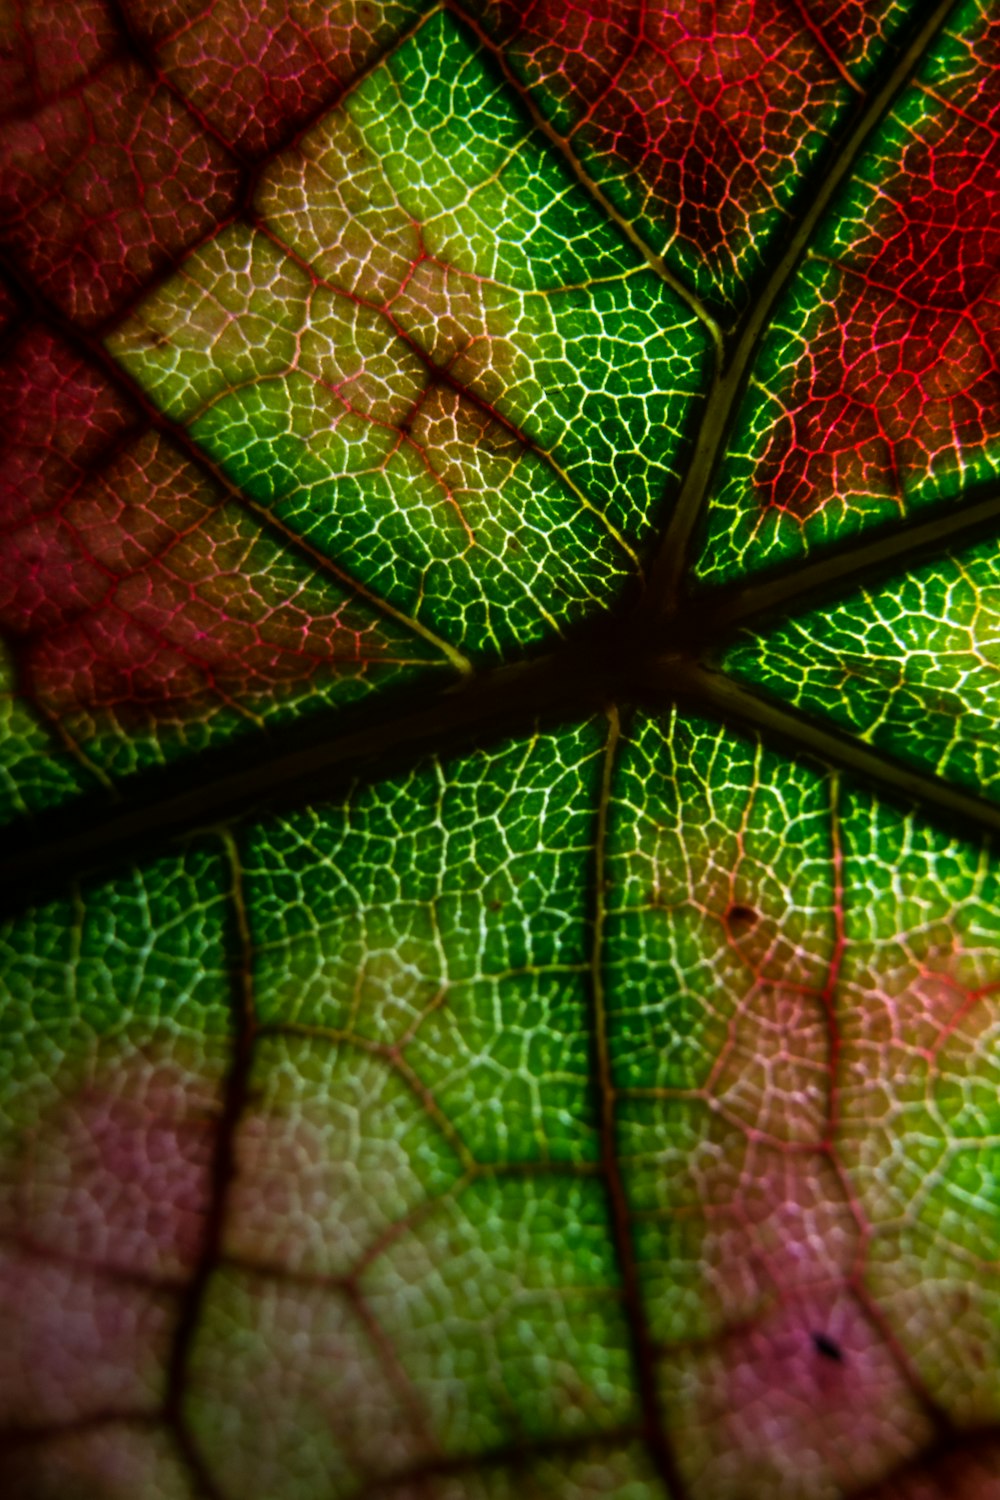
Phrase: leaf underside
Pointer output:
(500, 627)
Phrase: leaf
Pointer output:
(501, 941)
(696, 121)
(909, 666)
(874, 391)
(429, 305)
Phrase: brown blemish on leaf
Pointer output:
(741, 919)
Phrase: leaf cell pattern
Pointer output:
(696, 120)
(149, 612)
(910, 665)
(875, 390)
(500, 978)
(430, 307)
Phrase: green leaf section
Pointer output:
(602, 361)
(910, 667)
(36, 771)
(460, 1129)
(420, 955)
(414, 1257)
(706, 826)
(420, 1256)
(803, 987)
(434, 357)
(452, 908)
(299, 1418)
(141, 955)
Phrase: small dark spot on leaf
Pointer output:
(828, 1347)
(495, 905)
(740, 919)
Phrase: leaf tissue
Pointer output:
(500, 750)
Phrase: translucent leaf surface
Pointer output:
(698, 121)
(875, 389)
(409, 356)
(500, 933)
(910, 666)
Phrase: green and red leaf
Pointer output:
(500, 961)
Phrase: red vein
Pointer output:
(821, 40)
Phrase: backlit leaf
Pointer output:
(500, 950)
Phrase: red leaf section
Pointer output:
(707, 105)
(125, 577)
(49, 46)
(120, 1175)
(105, 176)
(256, 71)
(60, 416)
(8, 307)
(854, 31)
(798, 1377)
(967, 1469)
(901, 371)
